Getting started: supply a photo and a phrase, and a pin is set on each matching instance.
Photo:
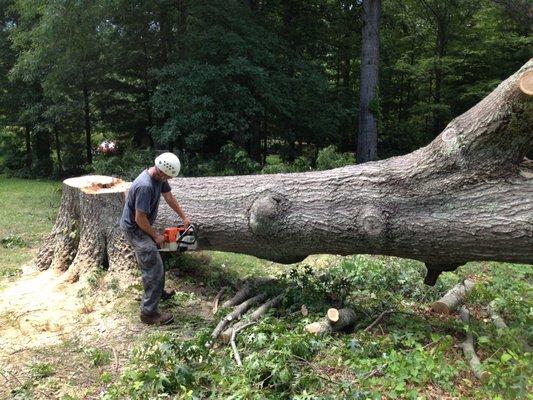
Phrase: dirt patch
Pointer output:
(66, 329)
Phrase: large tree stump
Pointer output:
(86, 234)
(466, 196)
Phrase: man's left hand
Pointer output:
(186, 222)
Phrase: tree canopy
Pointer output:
(259, 76)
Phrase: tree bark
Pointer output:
(367, 140)
(468, 348)
(86, 234)
(466, 196)
(27, 138)
(87, 119)
(453, 298)
(336, 320)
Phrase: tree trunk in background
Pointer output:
(87, 115)
(58, 147)
(367, 139)
(27, 138)
(466, 196)
(441, 42)
(42, 146)
(182, 27)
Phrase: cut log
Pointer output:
(341, 319)
(237, 313)
(336, 320)
(453, 298)
(466, 196)
(86, 234)
(468, 348)
(257, 314)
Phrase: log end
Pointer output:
(439, 307)
(484, 376)
(98, 184)
(333, 315)
(526, 83)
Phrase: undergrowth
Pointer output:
(410, 354)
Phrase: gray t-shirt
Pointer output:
(144, 195)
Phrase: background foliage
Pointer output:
(228, 83)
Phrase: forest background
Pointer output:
(237, 87)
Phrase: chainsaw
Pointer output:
(179, 238)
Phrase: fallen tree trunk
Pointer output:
(466, 196)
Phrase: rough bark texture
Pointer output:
(86, 234)
(466, 196)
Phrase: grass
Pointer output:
(27, 215)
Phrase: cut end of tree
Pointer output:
(86, 234)
(526, 83)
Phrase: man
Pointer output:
(138, 216)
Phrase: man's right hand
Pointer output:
(159, 239)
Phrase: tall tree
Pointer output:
(367, 139)
(63, 47)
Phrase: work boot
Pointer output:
(167, 294)
(158, 318)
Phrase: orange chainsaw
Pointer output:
(179, 238)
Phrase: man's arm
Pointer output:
(173, 203)
(142, 221)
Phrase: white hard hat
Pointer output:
(168, 163)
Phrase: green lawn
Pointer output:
(27, 214)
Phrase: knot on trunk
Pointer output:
(265, 214)
(372, 221)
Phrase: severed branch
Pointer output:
(257, 314)
(236, 314)
(232, 341)
(217, 299)
(245, 292)
(453, 298)
(468, 348)
(378, 319)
